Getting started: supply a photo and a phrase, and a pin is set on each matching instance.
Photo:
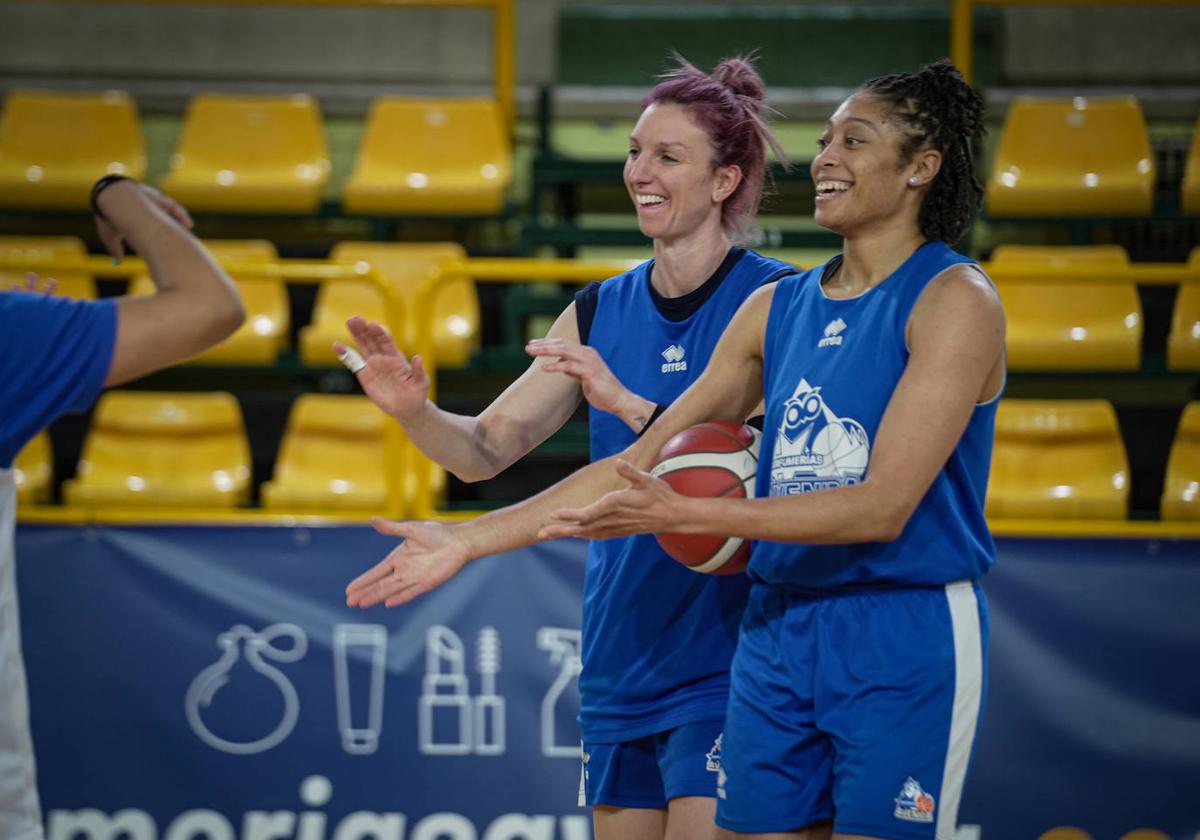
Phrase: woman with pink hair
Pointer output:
(657, 638)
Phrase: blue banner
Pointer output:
(207, 682)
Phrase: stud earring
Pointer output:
(913, 180)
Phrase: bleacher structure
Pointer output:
(1083, 319)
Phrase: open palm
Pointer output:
(395, 384)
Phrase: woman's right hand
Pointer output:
(393, 383)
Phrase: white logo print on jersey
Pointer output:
(674, 359)
(815, 449)
(833, 331)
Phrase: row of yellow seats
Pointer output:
(260, 154)
(1080, 157)
(1060, 459)
(1087, 324)
(405, 266)
(1054, 324)
(182, 450)
(1075, 157)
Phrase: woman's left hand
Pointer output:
(600, 387)
(647, 506)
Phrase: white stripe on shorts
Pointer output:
(968, 691)
(582, 776)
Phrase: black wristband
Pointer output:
(654, 415)
(99, 187)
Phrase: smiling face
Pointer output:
(670, 175)
(861, 179)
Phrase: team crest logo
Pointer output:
(816, 449)
(714, 756)
(913, 803)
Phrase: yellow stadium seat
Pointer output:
(1181, 489)
(33, 471)
(331, 457)
(1065, 833)
(1057, 323)
(1072, 157)
(53, 146)
(336, 301)
(1060, 459)
(147, 449)
(268, 314)
(431, 157)
(1190, 193)
(1183, 343)
(72, 284)
(253, 154)
(405, 266)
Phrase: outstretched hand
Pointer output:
(647, 506)
(393, 383)
(429, 556)
(33, 283)
(601, 388)
(111, 236)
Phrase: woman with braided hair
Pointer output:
(858, 679)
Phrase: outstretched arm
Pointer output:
(956, 335)
(432, 553)
(196, 304)
(531, 409)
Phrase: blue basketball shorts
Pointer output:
(860, 708)
(648, 772)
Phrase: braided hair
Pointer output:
(729, 104)
(938, 110)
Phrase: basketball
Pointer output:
(716, 459)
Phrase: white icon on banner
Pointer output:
(489, 706)
(359, 659)
(212, 679)
(563, 646)
(449, 720)
(444, 711)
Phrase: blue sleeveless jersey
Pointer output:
(830, 369)
(657, 637)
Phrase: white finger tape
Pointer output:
(352, 360)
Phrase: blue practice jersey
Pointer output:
(657, 637)
(830, 369)
(54, 356)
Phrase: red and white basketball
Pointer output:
(717, 459)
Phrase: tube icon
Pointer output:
(359, 660)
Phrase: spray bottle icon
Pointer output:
(563, 646)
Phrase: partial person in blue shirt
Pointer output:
(856, 688)
(55, 357)
(657, 639)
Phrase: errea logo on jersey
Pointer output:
(833, 331)
(674, 359)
